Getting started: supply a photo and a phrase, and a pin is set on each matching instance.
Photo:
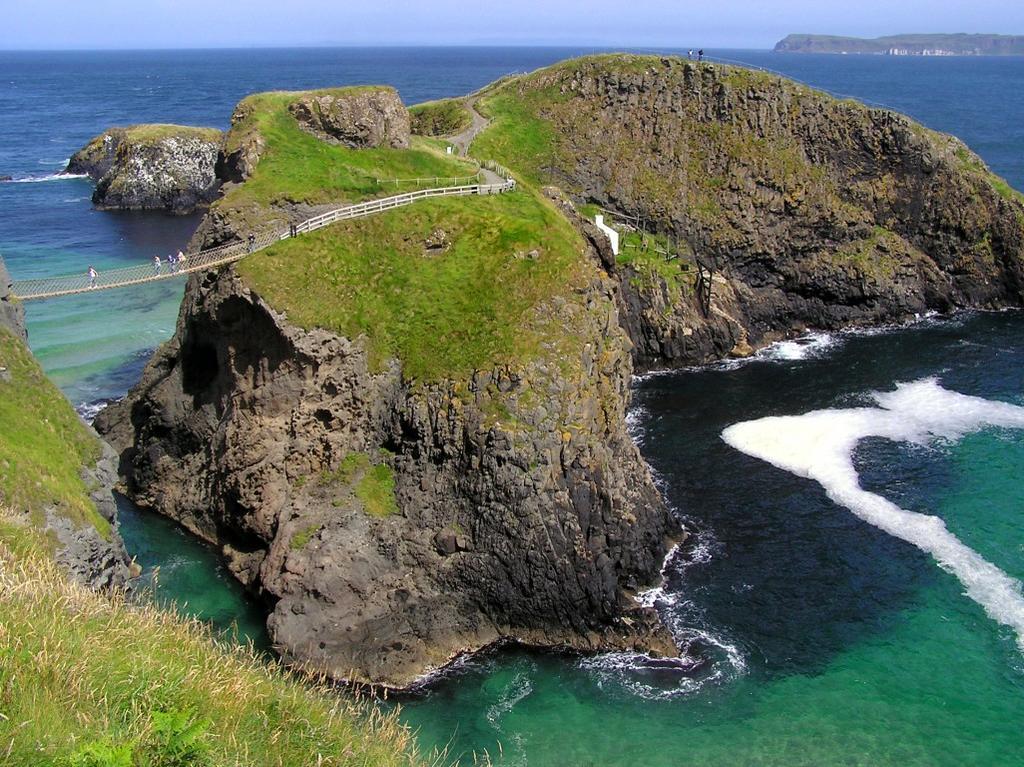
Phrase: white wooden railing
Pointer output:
(52, 287)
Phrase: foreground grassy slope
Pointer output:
(446, 286)
(298, 167)
(88, 680)
(43, 443)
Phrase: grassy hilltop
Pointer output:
(296, 167)
(446, 285)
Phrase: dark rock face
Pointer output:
(814, 212)
(167, 168)
(506, 523)
(12, 313)
(242, 150)
(88, 557)
(358, 117)
(96, 158)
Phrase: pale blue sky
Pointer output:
(56, 24)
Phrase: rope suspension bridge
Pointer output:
(493, 180)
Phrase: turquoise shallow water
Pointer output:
(181, 573)
(812, 637)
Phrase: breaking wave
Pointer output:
(47, 177)
(820, 445)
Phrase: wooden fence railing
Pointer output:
(52, 287)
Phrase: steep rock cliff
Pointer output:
(813, 212)
(152, 167)
(12, 313)
(392, 525)
(359, 118)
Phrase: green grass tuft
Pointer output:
(373, 484)
(376, 491)
(302, 538)
(1004, 190)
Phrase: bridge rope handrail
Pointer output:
(65, 285)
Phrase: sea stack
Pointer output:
(151, 167)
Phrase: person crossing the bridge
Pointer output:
(158, 267)
(92, 277)
(182, 260)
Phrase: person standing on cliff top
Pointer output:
(92, 278)
(700, 55)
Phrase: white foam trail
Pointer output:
(820, 446)
(49, 177)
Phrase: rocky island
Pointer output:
(151, 167)
(420, 468)
(406, 433)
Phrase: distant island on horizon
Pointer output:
(906, 45)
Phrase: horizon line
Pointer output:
(625, 47)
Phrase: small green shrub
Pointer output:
(102, 754)
(302, 538)
(178, 739)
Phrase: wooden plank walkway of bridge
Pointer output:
(53, 287)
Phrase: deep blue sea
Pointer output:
(851, 595)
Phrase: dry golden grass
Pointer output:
(94, 679)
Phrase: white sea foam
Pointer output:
(88, 411)
(48, 177)
(806, 347)
(653, 596)
(636, 416)
(517, 690)
(820, 445)
(704, 658)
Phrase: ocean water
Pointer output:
(851, 595)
